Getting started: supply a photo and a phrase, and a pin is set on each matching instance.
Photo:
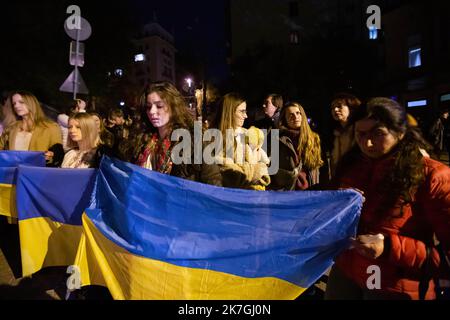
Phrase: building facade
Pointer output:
(417, 57)
(154, 59)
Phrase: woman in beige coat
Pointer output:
(32, 130)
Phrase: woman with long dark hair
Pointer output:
(407, 204)
(166, 111)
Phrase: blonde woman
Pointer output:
(31, 130)
(239, 169)
(299, 151)
(83, 141)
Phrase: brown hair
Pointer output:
(37, 115)
(309, 149)
(408, 171)
(230, 102)
(277, 100)
(179, 113)
(351, 101)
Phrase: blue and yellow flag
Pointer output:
(50, 203)
(9, 160)
(153, 236)
(16, 158)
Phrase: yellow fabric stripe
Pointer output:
(45, 243)
(8, 200)
(129, 276)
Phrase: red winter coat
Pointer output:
(407, 229)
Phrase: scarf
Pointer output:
(156, 155)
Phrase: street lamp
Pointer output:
(189, 82)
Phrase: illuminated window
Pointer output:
(373, 33)
(417, 103)
(139, 57)
(415, 59)
(445, 97)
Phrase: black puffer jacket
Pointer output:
(289, 166)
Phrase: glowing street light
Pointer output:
(189, 82)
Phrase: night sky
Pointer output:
(34, 54)
(198, 26)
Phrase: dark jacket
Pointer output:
(291, 174)
(205, 173)
(268, 123)
(209, 174)
(437, 135)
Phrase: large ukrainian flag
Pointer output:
(9, 160)
(50, 202)
(153, 236)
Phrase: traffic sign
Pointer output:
(74, 57)
(78, 29)
(74, 82)
(83, 33)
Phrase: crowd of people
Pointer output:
(377, 150)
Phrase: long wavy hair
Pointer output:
(37, 115)
(229, 104)
(225, 119)
(8, 116)
(142, 129)
(408, 171)
(106, 137)
(308, 149)
(179, 113)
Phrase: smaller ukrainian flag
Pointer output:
(50, 202)
(9, 160)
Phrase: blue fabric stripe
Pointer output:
(9, 160)
(15, 158)
(59, 194)
(289, 235)
(8, 175)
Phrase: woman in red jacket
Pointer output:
(407, 206)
